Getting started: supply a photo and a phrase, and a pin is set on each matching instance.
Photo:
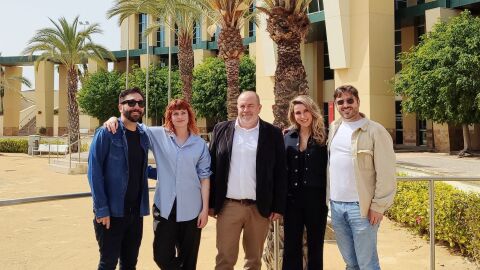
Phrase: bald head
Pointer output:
(248, 105)
(248, 95)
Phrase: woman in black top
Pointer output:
(307, 167)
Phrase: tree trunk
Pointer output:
(230, 49)
(233, 89)
(73, 113)
(290, 80)
(466, 142)
(186, 63)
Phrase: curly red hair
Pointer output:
(180, 104)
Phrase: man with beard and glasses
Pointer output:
(362, 180)
(117, 174)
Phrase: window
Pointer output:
(327, 72)
(400, 4)
(422, 132)
(161, 36)
(142, 25)
(398, 122)
(251, 25)
(419, 28)
(197, 36)
(398, 46)
(315, 6)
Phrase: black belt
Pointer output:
(242, 201)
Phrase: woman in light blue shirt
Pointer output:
(180, 207)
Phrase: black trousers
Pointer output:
(175, 244)
(122, 241)
(305, 209)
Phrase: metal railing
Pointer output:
(431, 196)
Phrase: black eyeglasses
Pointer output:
(340, 102)
(132, 102)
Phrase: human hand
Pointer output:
(111, 124)
(105, 221)
(374, 217)
(274, 216)
(202, 219)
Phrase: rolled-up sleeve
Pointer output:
(203, 165)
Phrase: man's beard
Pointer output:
(128, 115)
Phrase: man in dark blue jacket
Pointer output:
(117, 174)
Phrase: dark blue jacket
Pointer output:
(108, 171)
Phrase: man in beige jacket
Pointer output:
(361, 180)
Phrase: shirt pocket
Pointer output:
(117, 149)
(365, 159)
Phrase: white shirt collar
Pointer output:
(237, 126)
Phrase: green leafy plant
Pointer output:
(99, 94)
(210, 86)
(456, 215)
(157, 96)
(440, 76)
(14, 145)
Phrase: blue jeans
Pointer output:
(356, 237)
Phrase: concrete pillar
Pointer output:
(154, 59)
(409, 120)
(11, 101)
(266, 63)
(94, 66)
(475, 136)
(446, 137)
(62, 101)
(44, 97)
(361, 48)
(312, 58)
(121, 66)
(129, 33)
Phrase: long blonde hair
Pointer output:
(317, 127)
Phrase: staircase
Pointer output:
(29, 128)
(62, 165)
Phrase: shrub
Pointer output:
(456, 214)
(14, 145)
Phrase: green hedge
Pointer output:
(457, 214)
(14, 145)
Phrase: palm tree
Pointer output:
(288, 25)
(66, 45)
(230, 15)
(179, 16)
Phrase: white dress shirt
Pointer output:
(242, 179)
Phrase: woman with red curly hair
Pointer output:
(180, 208)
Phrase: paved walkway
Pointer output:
(59, 234)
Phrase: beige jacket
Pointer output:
(374, 161)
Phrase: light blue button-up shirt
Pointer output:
(179, 171)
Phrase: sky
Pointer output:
(20, 19)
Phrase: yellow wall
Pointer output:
(312, 58)
(1, 125)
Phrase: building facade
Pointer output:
(350, 42)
